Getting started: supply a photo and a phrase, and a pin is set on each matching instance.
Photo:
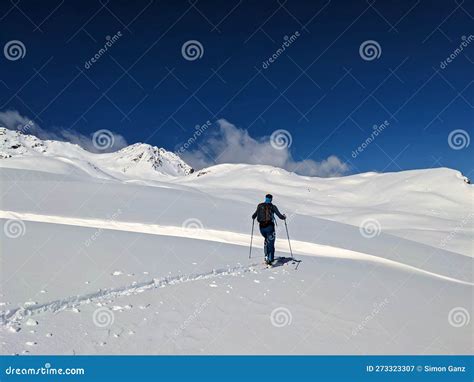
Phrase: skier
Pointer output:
(265, 217)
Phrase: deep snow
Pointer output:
(121, 256)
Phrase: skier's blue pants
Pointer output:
(268, 233)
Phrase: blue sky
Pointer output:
(321, 90)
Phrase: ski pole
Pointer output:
(251, 239)
(288, 236)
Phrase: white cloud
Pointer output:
(231, 144)
(13, 120)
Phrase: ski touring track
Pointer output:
(16, 316)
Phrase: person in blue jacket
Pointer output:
(265, 214)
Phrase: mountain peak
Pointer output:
(137, 161)
(143, 154)
(14, 143)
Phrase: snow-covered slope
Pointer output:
(99, 257)
(421, 205)
(138, 161)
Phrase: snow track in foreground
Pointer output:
(299, 247)
(17, 316)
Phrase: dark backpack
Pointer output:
(264, 214)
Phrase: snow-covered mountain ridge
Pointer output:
(166, 257)
(421, 205)
(137, 161)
